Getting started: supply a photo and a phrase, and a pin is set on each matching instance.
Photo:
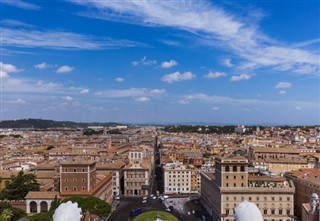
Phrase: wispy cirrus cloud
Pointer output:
(15, 23)
(33, 38)
(21, 4)
(144, 61)
(215, 25)
(214, 99)
(131, 92)
(241, 77)
(177, 76)
(282, 85)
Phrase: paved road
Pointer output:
(123, 211)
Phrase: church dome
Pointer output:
(247, 211)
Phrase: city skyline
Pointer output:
(165, 62)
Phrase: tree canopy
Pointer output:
(18, 186)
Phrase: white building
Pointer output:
(177, 178)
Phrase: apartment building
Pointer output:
(231, 184)
(137, 174)
(177, 178)
(80, 178)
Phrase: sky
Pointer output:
(170, 61)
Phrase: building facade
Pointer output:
(231, 184)
(177, 178)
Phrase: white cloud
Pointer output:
(21, 4)
(241, 77)
(298, 108)
(119, 79)
(18, 101)
(214, 99)
(11, 22)
(215, 108)
(211, 24)
(64, 69)
(142, 99)
(84, 91)
(168, 64)
(131, 92)
(177, 76)
(212, 75)
(144, 61)
(282, 92)
(42, 66)
(32, 38)
(283, 85)
(6, 69)
(227, 62)
(67, 98)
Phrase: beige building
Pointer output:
(137, 174)
(307, 182)
(231, 184)
(177, 178)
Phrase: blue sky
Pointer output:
(230, 62)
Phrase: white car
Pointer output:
(145, 198)
(151, 195)
(144, 201)
(154, 197)
(117, 198)
(165, 196)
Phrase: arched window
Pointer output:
(74, 170)
(235, 168)
(242, 168)
(33, 207)
(74, 188)
(43, 206)
(227, 168)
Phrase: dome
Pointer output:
(247, 211)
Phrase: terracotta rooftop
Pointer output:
(41, 195)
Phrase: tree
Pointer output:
(6, 209)
(92, 204)
(19, 186)
(7, 214)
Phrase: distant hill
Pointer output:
(44, 124)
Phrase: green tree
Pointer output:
(18, 186)
(92, 204)
(16, 213)
(7, 214)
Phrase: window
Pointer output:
(74, 188)
(242, 177)
(65, 170)
(74, 180)
(272, 198)
(227, 211)
(234, 184)
(242, 168)
(227, 177)
(288, 198)
(66, 188)
(84, 180)
(272, 211)
(227, 184)
(257, 198)
(280, 211)
(227, 169)
(234, 177)
(280, 198)
(227, 198)
(265, 198)
(250, 198)
(234, 198)
(288, 211)
(74, 170)
(83, 188)
(65, 180)
(265, 211)
(242, 184)
(83, 170)
(234, 168)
